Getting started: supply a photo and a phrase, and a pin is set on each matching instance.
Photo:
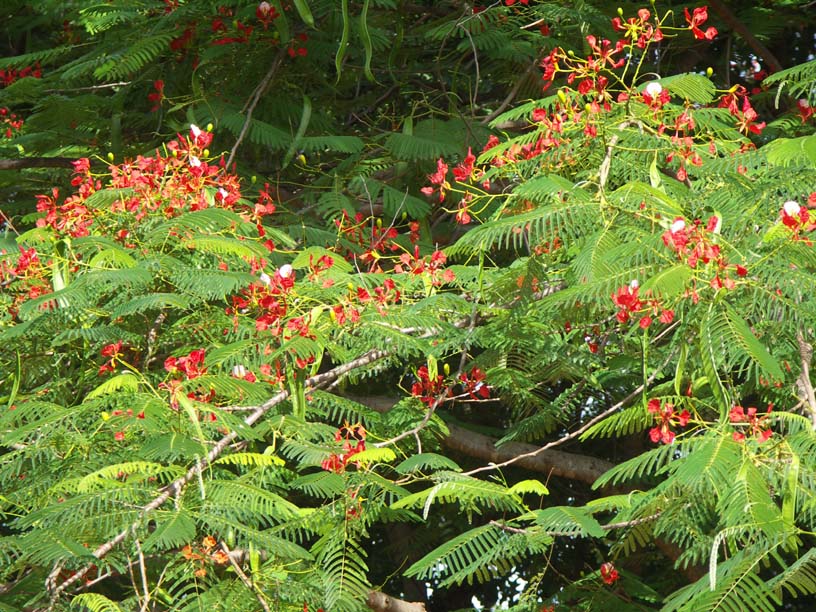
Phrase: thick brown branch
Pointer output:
(380, 602)
(728, 16)
(36, 162)
(582, 468)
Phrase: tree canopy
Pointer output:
(403, 305)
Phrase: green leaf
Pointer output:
(127, 381)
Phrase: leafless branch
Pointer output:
(36, 162)
(249, 108)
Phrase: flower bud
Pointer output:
(620, 11)
(209, 127)
(709, 71)
(110, 155)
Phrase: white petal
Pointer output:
(285, 271)
(654, 89)
(791, 208)
(678, 226)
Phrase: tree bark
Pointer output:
(380, 602)
(36, 162)
(582, 468)
(739, 28)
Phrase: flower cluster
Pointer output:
(10, 75)
(433, 265)
(694, 243)
(795, 217)
(31, 274)
(157, 95)
(630, 304)
(806, 111)
(266, 14)
(353, 439)
(10, 123)
(202, 554)
(190, 365)
(474, 384)
(737, 102)
(428, 389)
(666, 418)
(755, 425)
(639, 29)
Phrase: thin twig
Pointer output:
(608, 527)
(143, 572)
(90, 87)
(253, 102)
(244, 578)
(508, 100)
(580, 430)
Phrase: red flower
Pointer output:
(696, 19)
(465, 171)
(794, 216)
(666, 418)
(114, 351)
(438, 178)
(609, 574)
(119, 436)
(756, 424)
(474, 384)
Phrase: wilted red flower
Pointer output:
(609, 574)
(756, 424)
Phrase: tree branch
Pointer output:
(380, 602)
(36, 162)
(728, 16)
(253, 101)
(177, 485)
(582, 468)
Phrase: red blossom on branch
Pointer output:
(666, 418)
(756, 424)
(697, 18)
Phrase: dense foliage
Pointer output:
(301, 300)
